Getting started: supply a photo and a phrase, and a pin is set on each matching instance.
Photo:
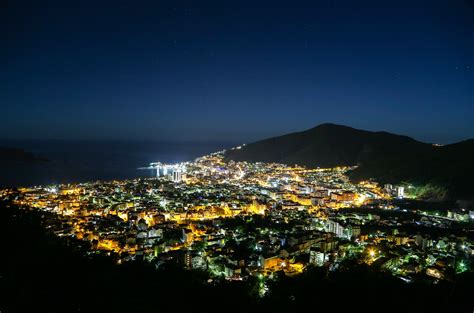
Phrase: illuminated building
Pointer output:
(187, 235)
(317, 257)
(335, 227)
(400, 192)
(177, 176)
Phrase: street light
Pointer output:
(372, 252)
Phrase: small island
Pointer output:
(16, 155)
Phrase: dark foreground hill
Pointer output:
(386, 157)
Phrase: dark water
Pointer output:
(89, 161)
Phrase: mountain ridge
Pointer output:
(9, 154)
(386, 157)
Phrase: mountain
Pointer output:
(386, 157)
(8, 155)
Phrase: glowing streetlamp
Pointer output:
(372, 253)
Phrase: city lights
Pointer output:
(279, 218)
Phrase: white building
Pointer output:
(177, 176)
(317, 258)
(335, 227)
(400, 192)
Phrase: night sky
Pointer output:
(235, 70)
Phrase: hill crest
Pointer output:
(381, 155)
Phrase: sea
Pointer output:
(84, 161)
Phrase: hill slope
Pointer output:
(8, 154)
(380, 155)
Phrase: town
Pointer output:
(234, 220)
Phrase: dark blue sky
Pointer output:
(235, 70)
